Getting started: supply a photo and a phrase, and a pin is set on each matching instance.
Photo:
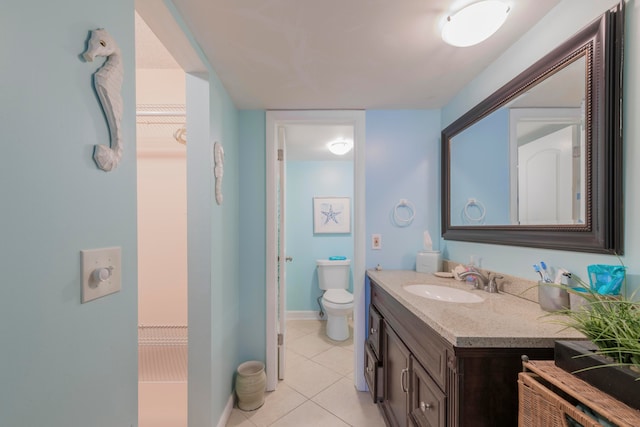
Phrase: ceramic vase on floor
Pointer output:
(250, 385)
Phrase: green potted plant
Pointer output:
(610, 360)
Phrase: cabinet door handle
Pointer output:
(403, 380)
(425, 406)
(369, 368)
(373, 331)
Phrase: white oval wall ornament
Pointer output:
(218, 169)
(108, 84)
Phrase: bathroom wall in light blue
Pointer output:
(306, 180)
(227, 301)
(63, 363)
(563, 21)
(252, 217)
(402, 162)
(213, 258)
(481, 170)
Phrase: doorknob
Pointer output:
(425, 406)
(289, 259)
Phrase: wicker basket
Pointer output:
(540, 407)
(548, 395)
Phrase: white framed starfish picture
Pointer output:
(331, 215)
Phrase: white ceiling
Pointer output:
(310, 141)
(150, 52)
(343, 54)
(334, 54)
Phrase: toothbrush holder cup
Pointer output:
(552, 297)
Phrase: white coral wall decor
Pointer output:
(108, 84)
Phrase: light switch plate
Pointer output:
(93, 259)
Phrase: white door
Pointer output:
(282, 253)
(545, 181)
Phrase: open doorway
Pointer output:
(276, 309)
(162, 233)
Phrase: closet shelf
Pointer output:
(162, 335)
(160, 114)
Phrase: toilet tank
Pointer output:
(333, 274)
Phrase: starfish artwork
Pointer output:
(330, 215)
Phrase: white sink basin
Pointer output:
(442, 293)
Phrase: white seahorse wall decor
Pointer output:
(108, 84)
(218, 170)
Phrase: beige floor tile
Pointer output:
(277, 404)
(310, 345)
(237, 419)
(327, 380)
(310, 415)
(294, 333)
(306, 326)
(348, 343)
(292, 358)
(309, 378)
(353, 406)
(337, 359)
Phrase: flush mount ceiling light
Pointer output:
(340, 147)
(475, 23)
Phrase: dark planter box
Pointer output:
(619, 382)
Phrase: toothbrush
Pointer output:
(545, 272)
(537, 270)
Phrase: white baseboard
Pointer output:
(224, 418)
(304, 315)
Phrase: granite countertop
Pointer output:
(501, 320)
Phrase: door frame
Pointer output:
(166, 23)
(356, 118)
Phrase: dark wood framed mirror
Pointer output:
(539, 162)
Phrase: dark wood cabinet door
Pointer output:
(375, 325)
(396, 360)
(428, 403)
(373, 374)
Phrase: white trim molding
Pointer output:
(226, 413)
(305, 315)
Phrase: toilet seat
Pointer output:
(338, 296)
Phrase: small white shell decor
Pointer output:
(108, 85)
(218, 169)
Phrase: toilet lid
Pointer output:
(338, 296)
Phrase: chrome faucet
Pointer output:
(492, 286)
(482, 282)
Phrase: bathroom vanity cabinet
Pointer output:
(421, 379)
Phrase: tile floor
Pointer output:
(318, 387)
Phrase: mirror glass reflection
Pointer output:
(525, 163)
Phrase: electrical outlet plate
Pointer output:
(376, 241)
(93, 259)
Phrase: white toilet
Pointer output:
(337, 302)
